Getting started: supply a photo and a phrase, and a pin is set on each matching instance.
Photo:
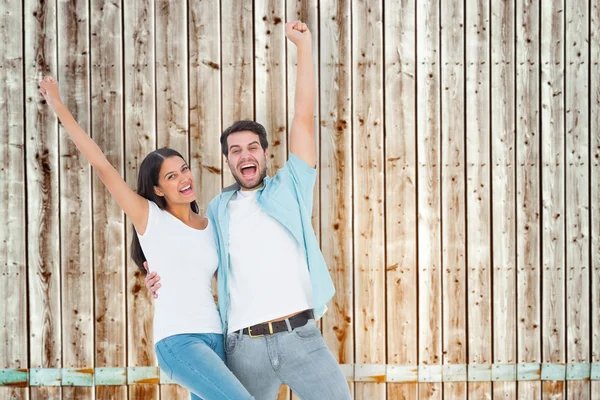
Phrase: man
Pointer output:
(272, 278)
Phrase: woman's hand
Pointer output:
(49, 89)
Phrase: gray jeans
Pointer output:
(299, 359)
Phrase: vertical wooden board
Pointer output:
(173, 392)
(528, 191)
(595, 185)
(140, 140)
(106, 88)
(553, 186)
(237, 77)
(13, 258)
(171, 75)
(270, 77)
(368, 179)
(75, 196)
(478, 191)
(453, 192)
(577, 190)
(308, 12)
(205, 98)
(284, 393)
(428, 193)
(43, 237)
(401, 190)
(503, 125)
(336, 174)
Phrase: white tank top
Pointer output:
(185, 259)
(269, 276)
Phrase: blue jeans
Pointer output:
(196, 361)
(298, 358)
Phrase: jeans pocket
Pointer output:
(308, 330)
(232, 343)
(161, 348)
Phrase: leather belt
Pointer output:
(269, 328)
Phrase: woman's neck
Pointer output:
(180, 211)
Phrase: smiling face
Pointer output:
(247, 159)
(175, 182)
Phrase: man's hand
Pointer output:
(151, 281)
(298, 33)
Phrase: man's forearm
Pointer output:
(305, 83)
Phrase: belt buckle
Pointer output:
(257, 336)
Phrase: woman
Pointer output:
(180, 245)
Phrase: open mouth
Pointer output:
(248, 170)
(187, 190)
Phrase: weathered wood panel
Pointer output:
(335, 70)
(368, 165)
(401, 190)
(171, 75)
(428, 194)
(594, 60)
(13, 257)
(478, 192)
(106, 86)
(237, 66)
(553, 186)
(75, 196)
(140, 139)
(577, 191)
(205, 98)
(454, 277)
(503, 125)
(43, 230)
(528, 192)
(270, 77)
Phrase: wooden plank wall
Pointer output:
(457, 202)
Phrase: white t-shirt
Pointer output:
(269, 276)
(185, 259)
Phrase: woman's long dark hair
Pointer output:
(147, 179)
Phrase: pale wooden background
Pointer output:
(458, 202)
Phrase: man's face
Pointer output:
(247, 159)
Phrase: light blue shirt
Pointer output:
(287, 197)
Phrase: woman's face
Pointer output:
(175, 182)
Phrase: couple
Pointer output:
(272, 278)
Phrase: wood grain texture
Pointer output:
(336, 174)
(13, 256)
(401, 190)
(237, 61)
(478, 192)
(270, 78)
(75, 196)
(429, 193)
(43, 229)
(503, 142)
(528, 192)
(140, 139)
(106, 86)
(369, 222)
(453, 227)
(172, 109)
(594, 60)
(553, 186)
(205, 99)
(577, 190)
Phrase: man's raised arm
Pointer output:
(302, 132)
